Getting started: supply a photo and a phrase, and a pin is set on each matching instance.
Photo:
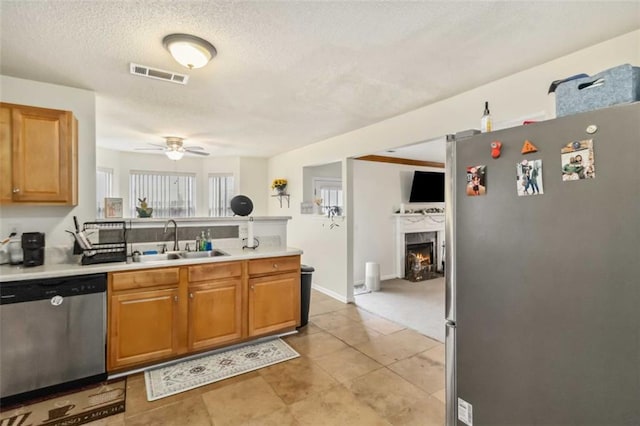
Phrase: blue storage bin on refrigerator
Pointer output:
(614, 86)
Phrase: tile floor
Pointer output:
(355, 368)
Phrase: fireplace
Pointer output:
(419, 228)
(420, 256)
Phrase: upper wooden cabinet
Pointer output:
(38, 155)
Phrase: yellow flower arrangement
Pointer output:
(278, 183)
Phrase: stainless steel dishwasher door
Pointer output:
(53, 340)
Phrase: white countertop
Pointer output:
(19, 273)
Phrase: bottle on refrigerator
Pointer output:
(485, 122)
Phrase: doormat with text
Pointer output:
(75, 408)
(170, 380)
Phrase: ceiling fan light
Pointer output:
(189, 51)
(174, 155)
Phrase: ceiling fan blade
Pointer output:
(196, 152)
(198, 148)
(149, 149)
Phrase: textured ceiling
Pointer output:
(287, 73)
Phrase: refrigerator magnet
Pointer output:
(578, 161)
(529, 177)
(496, 146)
(476, 180)
(528, 147)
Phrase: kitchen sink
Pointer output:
(157, 257)
(200, 254)
(176, 255)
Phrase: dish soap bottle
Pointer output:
(485, 122)
(208, 244)
(203, 242)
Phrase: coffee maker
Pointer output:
(33, 248)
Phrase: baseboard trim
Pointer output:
(382, 278)
(330, 293)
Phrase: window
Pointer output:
(169, 194)
(329, 190)
(104, 187)
(220, 194)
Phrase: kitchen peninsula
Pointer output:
(162, 310)
(166, 307)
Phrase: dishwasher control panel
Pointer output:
(25, 291)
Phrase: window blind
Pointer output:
(169, 194)
(220, 194)
(329, 190)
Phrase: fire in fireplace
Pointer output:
(420, 262)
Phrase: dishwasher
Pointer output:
(52, 335)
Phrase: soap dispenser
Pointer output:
(209, 243)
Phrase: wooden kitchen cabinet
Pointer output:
(215, 305)
(274, 294)
(38, 156)
(162, 313)
(143, 312)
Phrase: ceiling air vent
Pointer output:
(158, 74)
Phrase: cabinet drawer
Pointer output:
(274, 265)
(215, 271)
(144, 279)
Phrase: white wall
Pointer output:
(254, 183)
(519, 95)
(53, 220)
(378, 190)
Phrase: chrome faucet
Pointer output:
(175, 233)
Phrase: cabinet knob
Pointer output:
(175, 298)
(275, 266)
(191, 295)
(16, 190)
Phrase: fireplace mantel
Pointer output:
(410, 223)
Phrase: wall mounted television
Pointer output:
(427, 187)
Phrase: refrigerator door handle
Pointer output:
(449, 229)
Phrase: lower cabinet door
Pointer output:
(274, 303)
(142, 327)
(215, 313)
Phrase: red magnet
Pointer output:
(495, 149)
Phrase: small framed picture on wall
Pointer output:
(112, 207)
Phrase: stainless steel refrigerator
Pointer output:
(543, 287)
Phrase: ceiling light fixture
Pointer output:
(189, 51)
(174, 154)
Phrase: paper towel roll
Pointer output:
(250, 233)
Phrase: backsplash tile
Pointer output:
(149, 235)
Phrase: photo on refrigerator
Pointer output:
(529, 177)
(578, 160)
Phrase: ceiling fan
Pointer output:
(175, 149)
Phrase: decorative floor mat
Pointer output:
(75, 408)
(170, 380)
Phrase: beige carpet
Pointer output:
(419, 305)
